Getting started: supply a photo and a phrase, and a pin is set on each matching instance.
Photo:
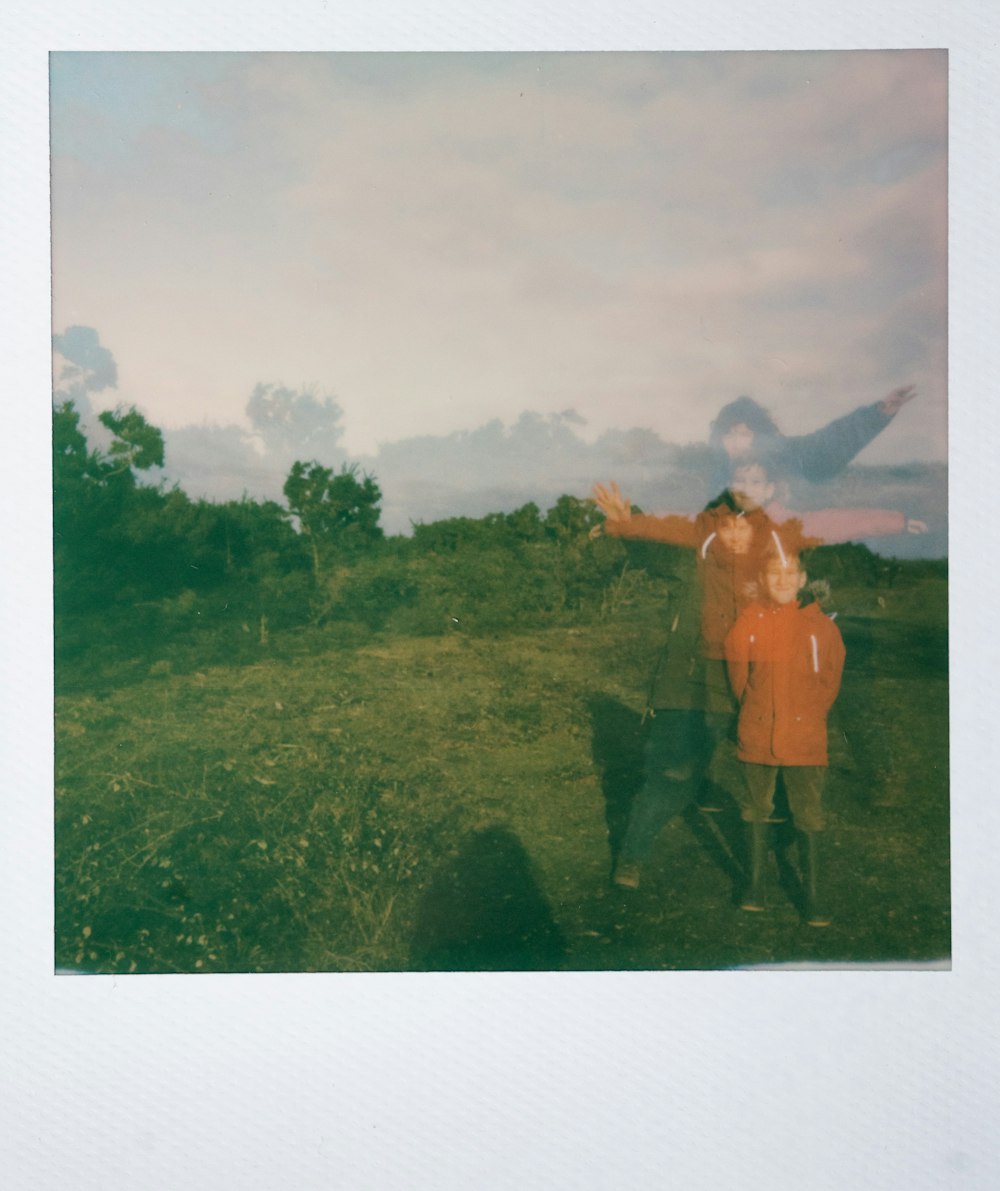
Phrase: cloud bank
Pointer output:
(439, 240)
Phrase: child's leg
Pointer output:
(757, 805)
(757, 801)
(720, 719)
(804, 787)
(716, 734)
(804, 784)
(669, 763)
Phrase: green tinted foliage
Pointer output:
(148, 553)
(136, 443)
(337, 511)
(69, 446)
(506, 570)
(494, 531)
(91, 501)
(525, 523)
(571, 518)
(846, 563)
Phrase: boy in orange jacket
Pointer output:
(785, 662)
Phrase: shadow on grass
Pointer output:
(485, 912)
(783, 842)
(720, 839)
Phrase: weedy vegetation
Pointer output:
(280, 751)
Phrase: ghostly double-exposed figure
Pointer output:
(750, 657)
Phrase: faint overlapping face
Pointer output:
(737, 442)
(750, 487)
(735, 534)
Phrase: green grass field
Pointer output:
(448, 802)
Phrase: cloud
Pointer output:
(86, 362)
(442, 239)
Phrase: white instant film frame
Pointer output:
(688, 1080)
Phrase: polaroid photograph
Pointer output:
(500, 507)
(499, 682)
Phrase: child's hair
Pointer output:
(786, 553)
(744, 409)
(724, 503)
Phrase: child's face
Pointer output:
(783, 580)
(750, 487)
(735, 534)
(737, 440)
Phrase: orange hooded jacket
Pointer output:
(785, 663)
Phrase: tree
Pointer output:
(571, 519)
(292, 423)
(336, 511)
(136, 444)
(525, 523)
(97, 505)
(70, 454)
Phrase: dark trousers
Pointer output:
(803, 785)
(677, 753)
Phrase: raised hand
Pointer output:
(891, 405)
(612, 504)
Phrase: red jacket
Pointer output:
(784, 663)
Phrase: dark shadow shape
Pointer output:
(721, 838)
(485, 912)
(618, 735)
(784, 843)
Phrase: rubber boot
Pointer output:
(627, 874)
(815, 908)
(710, 799)
(753, 895)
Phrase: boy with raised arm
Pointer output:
(691, 704)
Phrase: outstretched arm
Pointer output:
(830, 526)
(826, 452)
(621, 522)
(891, 405)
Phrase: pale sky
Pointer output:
(144, 267)
(436, 240)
